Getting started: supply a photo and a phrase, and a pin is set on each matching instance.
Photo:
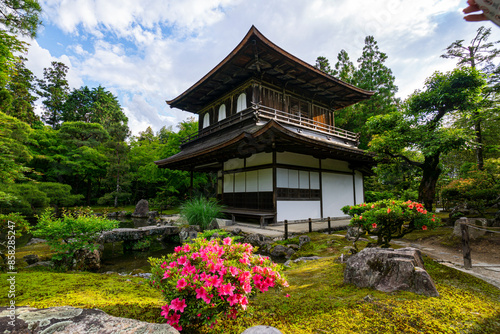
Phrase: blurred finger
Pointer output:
(471, 9)
(475, 18)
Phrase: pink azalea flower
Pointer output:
(186, 248)
(226, 289)
(234, 271)
(424, 228)
(178, 305)
(287, 295)
(166, 274)
(164, 310)
(183, 260)
(195, 255)
(388, 210)
(181, 284)
(374, 225)
(177, 249)
(360, 217)
(163, 265)
(410, 206)
(227, 241)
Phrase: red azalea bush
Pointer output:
(206, 279)
(389, 219)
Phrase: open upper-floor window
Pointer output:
(241, 104)
(206, 120)
(222, 112)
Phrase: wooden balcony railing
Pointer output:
(259, 111)
(306, 123)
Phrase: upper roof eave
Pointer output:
(254, 32)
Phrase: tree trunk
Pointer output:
(89, 192)
(117, 189)
(427, 188)
(479, 142)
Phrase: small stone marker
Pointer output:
(141, 209)
(261, 330)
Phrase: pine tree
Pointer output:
(55, 89)
(479, 53)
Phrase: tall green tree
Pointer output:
(20, 95)
(17, 17)
(344, 67)
(14, 152)
(323, 64)
(372, 74)
(54, 89)
(478, 54)
(20, 17)
(99, 106)
(421, 125)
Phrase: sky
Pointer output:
(149, 51)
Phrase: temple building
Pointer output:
(267, 129)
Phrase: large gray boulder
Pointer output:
(73, 320)
(141, 209)
(389, 270)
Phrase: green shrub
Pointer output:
(12, 226)
(70, 233)
(201, 211)
(389, 219)
(374, 196)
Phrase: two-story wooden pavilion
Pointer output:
(266, 127)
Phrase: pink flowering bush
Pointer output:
(205, 280)
(390, 219)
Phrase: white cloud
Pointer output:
(150, 51)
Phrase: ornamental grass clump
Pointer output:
(201, 211)
(390, 219)
(206, 280)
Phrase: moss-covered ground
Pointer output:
(317, 300)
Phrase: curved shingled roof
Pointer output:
(257, 57)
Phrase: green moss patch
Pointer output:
(121, 296)
(318, 302)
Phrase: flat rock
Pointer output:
(75, 321)
(261, 330)
(389, 270)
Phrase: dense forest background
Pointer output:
(440, 146)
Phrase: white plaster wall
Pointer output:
(293, 178)
(295, 210)
(303, 179)
(239, 183)
(266, 179)
(259, 159)
(228, 183)
(358, 177)
(281, 178)
(297, 159)
(252, 181)
(337, 165)
(337, 191)
(314, 180)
